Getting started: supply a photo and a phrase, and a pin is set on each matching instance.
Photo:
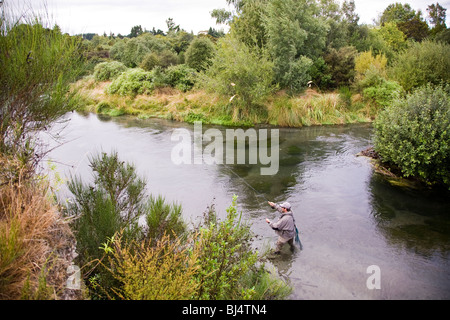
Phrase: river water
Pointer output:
(362, 237)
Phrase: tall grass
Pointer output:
(314, 109)
(35, 242)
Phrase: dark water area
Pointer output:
(350, 218)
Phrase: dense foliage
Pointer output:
(108, 70)
(414, 134)
(160, 259)
(37, 66)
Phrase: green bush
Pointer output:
(164, 59)
(341, 64)
(163, 219)
(423, 62)
(414, 134)
(38, 65)
(108, 70)
(112, 203)
(248, 80)
(227, 262)
(376, 88)
(200, 53)
(132, 82)
(181, 77)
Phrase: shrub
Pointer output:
(367, 60)
(248, 79)
(132, 82)
(108, 70)
(341, 64)
(165, 271)
(414, 134)
(181, 77)
(375, 87)
(150, 61)
(422, 63)
(112, 203)
(200, 53)
(225, 255)
(163, 219)
(164, 59)
(297, 75)
(37, 65)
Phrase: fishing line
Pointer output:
(246, 183)
(297, 238)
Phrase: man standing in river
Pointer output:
(284, 227)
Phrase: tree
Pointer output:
(397, 13)
(341, 65)
(422, 63)
(416, 28)
(135, 31)
(295, 34)
(437, 15)
(407, 20)
(248, 79)
(171, 26)
(200, 53)
(394, 38)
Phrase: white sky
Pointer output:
(119, 16)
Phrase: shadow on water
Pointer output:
(415, 219)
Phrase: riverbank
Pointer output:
(281, 109)
(392, 173)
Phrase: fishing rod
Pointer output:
(246, 183)
(297, 238)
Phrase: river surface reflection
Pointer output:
(349, 217)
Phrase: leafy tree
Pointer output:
(215, 33)
(250, 25)
(341, 65)
(200, 53)
(222, 16)
(171, 26)
(416, 28)
(422, 63)
(407, 20)
(394, 38)
(294, 31)
(247, 81)
(437, 15)
(135, 32)
(397, 12)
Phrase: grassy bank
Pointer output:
(280, 109)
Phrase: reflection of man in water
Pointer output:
(284, 227)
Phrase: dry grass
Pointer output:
(36, 244)
(309, 108)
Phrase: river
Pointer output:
(362, 237)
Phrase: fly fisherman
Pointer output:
(285, 226)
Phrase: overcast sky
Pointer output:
(119, 16)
